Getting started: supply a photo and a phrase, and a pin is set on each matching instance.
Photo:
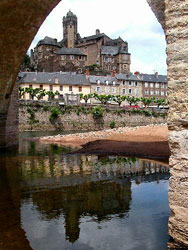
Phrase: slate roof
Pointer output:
(128, 77)
(152, 78)
(114, 42)
(48, 41)
(113, 50)
(70, 51)
(94, 79)
(49, 78)
(94, 37)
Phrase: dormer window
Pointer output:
(114, 83)
(106, 82)
(98, 82)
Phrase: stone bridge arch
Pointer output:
(19, 22)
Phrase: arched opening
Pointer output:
(13, 51)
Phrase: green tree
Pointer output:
(86, 97)
(32, 92)
(119, 99)
(132, 100)
(103, 98)
(41, 93)
(51, 94)
(160, 102)
(21, 92)
(146, 101)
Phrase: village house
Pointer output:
(64, 83)
(153, 85)
(129, 85)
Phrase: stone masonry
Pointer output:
(173, 15)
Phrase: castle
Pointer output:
(74, 53)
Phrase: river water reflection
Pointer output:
(55, 200)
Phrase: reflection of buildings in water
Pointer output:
(77, 185)
(63, 165)
(101, 200)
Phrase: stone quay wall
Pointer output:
(80, 118)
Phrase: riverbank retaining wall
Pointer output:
(37, 117)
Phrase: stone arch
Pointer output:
(19, 22)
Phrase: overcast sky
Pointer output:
(133, 20)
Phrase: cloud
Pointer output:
(133, 20)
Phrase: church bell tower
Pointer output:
(70, 29)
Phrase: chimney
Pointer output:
(97, 32)
(156, 74)
(136, 73)
(87, 73)
(55, 40)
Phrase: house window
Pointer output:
(123, 91)
(157, 85)
(157, 92)
(146, 92)
(151, 92)
(98, 89)
(30, 86)
(151, 85)
(60, 88)
(63, 57)
(71, 57)
(136, 84)
(107, 89)
(162, 85)
(114, 83)
(130, 91)
(70, 88)
(56, 80)
(41, 87)
(146, 84)
(124, 66)
(130, 83)
(80, 57)
(98, 81)
(162, 93)
(113, 90)
(136, 92)
(80, 88)
(51, 87)
(79, 71)
(106, 82)
(124, 83)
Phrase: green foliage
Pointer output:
(112, 124)
(132, 100)
(45, 108)
(86, 97)
(118, 99)
(147, 101)
(32, 92)
(32, 119)
(103, 98)
(21, 92)
(97, 112)
(55, 112)
(51, 94)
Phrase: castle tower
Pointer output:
(70, 29)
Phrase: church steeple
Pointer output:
(70, 29)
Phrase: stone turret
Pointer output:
(70, 29)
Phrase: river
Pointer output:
(51, 199)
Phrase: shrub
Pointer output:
(97, 112)
(112, 124)
(55, 112)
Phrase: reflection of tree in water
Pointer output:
(101, 200)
